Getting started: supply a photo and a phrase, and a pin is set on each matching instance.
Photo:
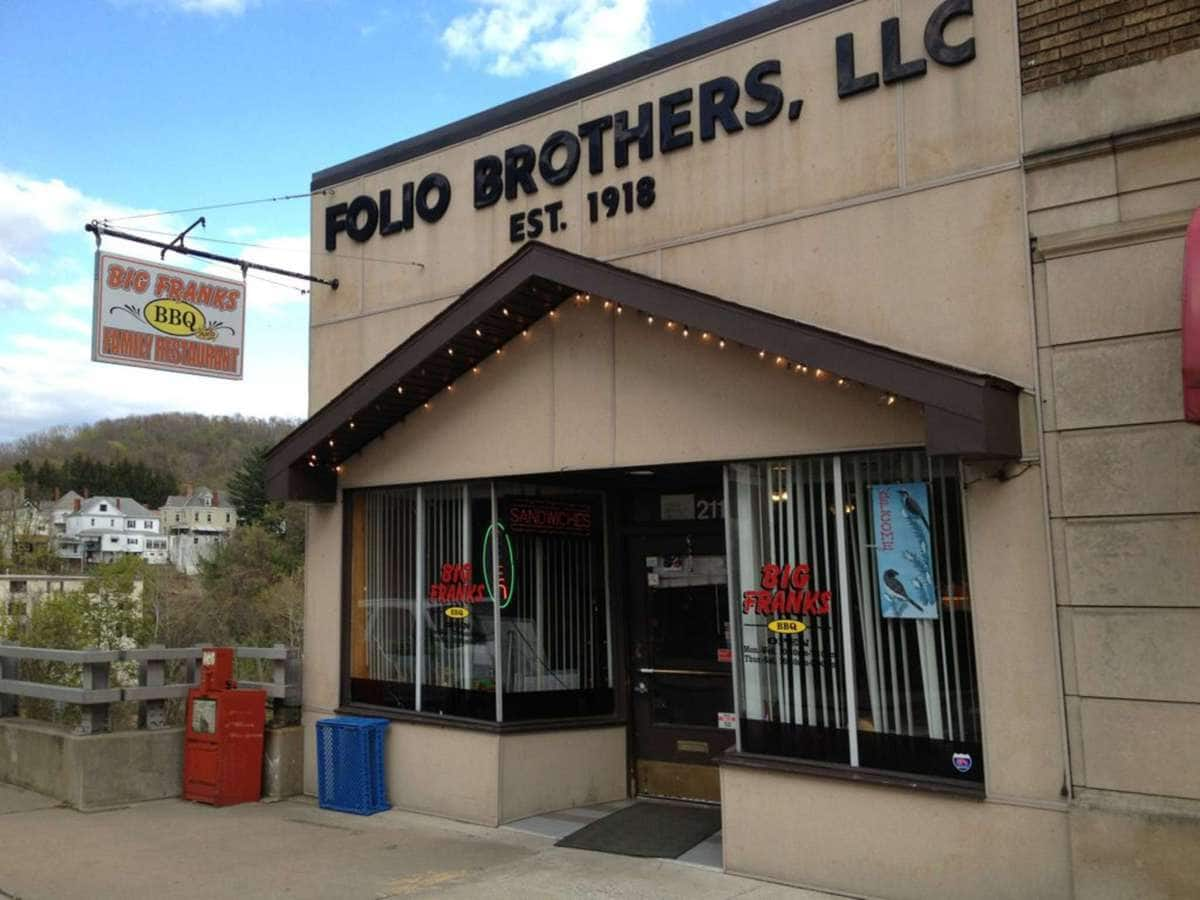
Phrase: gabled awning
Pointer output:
(966, 414)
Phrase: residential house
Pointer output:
(103, 529)
(196, 523)
(22, 524)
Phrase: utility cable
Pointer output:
(196, 237)
(172, 212)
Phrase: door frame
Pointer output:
(708, 539)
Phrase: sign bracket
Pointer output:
(99, 229)
(179, 238)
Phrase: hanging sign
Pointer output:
(900, 514)
(160, 317)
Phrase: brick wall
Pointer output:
(1069, 40)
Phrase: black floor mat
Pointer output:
(661, 830)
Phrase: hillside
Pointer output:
(201, 450)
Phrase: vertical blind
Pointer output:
(911, 681)
(551, 611)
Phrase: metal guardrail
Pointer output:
(94, 694)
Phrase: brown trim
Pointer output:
(735, 759)
(967, 414)
(464, 724)
(691, 46)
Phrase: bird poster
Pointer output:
(903, 551)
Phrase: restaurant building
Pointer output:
(789, 417)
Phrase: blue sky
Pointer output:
(117, 108)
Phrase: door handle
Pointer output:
(640, 688)
(679, 672)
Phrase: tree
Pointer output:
(254, 583)
(248, 485)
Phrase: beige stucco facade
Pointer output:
(900, 217)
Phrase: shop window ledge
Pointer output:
(966, 790)
(428, 718)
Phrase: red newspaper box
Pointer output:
(223, 747)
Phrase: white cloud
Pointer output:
(511, 37)
(46, 381)
(46, 284)
(266, 291)
(64, 322)
(33, 211)
(74, 295)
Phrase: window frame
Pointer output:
(495, 484)
(853, 769)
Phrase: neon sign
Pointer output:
(506, 585)
(456, 585)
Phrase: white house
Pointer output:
(102, 529)
(196, 524)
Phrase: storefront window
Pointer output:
(853, 613)
(553, 608)
(436, 572)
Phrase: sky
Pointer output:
(128, 109)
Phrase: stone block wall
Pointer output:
(1112, 179)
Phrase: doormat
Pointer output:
(660, 830)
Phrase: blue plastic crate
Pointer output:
(350, 764)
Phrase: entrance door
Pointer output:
(681, 670)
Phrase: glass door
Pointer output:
(681, 670)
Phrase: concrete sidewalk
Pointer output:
(169, 848)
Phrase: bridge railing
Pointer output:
(97, 689)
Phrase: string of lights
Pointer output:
(581, 300)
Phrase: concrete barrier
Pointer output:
(97, 771)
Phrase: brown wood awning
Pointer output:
(966, 414)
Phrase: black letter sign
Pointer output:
(935, 30)
(769, 95)
(488, 183)
(848, 83)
